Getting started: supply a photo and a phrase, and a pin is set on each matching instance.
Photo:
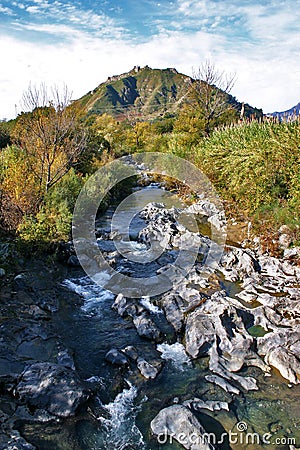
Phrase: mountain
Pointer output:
(157, 92)
(288, 114)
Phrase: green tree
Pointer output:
(5, 138)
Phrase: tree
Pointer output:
(209, 93)
(4, 134)
(50, 134)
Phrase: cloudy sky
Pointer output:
(80, 43)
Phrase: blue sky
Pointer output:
(80, 43)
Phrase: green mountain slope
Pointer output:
(156, 92)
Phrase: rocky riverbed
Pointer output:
(82, 368)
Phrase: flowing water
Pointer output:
(126, 403)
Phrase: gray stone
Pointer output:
(146, 328)
(131, 352)
(286, 362)
(53, 388)
(219, 381)
(199, 334)
(179, 423)
(146, 369)
(73, 261)
(21, 281)
(116, 357)
(174, 306)
(14, 442)
(211, 405)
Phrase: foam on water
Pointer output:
(145, 301)
(176, 354)
(93, 295)
(121, 430)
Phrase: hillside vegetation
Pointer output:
(48, 153)
(153, 93)
(256, 168)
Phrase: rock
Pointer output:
(174, 308)
(131, 352)
(14, 442)
(286, 362)
(179, 423)
(21, 282)
(36, 312)
(73, 261)
(211, 405)
(10, 368)
(219, 381)
(146, 328)
(284, 241)
(285, 237)
(146, 369)
(239, 263)
(120, 304)
(199, 334)
(216, 365)
(292, 253)
(51, 387)
(116, 357)
(65, 359)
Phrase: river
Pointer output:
(119, 416)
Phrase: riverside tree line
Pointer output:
(48, 152)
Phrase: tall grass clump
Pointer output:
(256, 168)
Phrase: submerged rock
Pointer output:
(116, 357)
(211, 405)
(219, 381)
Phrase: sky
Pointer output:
(81, 43)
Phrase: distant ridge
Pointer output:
(155, 93)
(289, 114)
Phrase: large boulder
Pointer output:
(52, 387)
(179, 423)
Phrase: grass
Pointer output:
(255, 167)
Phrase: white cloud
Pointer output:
(33, 9)
(19, 5)
(5, 10)
(66, 13)
(87, 47)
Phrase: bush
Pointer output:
(254, 164)
(53, 220)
